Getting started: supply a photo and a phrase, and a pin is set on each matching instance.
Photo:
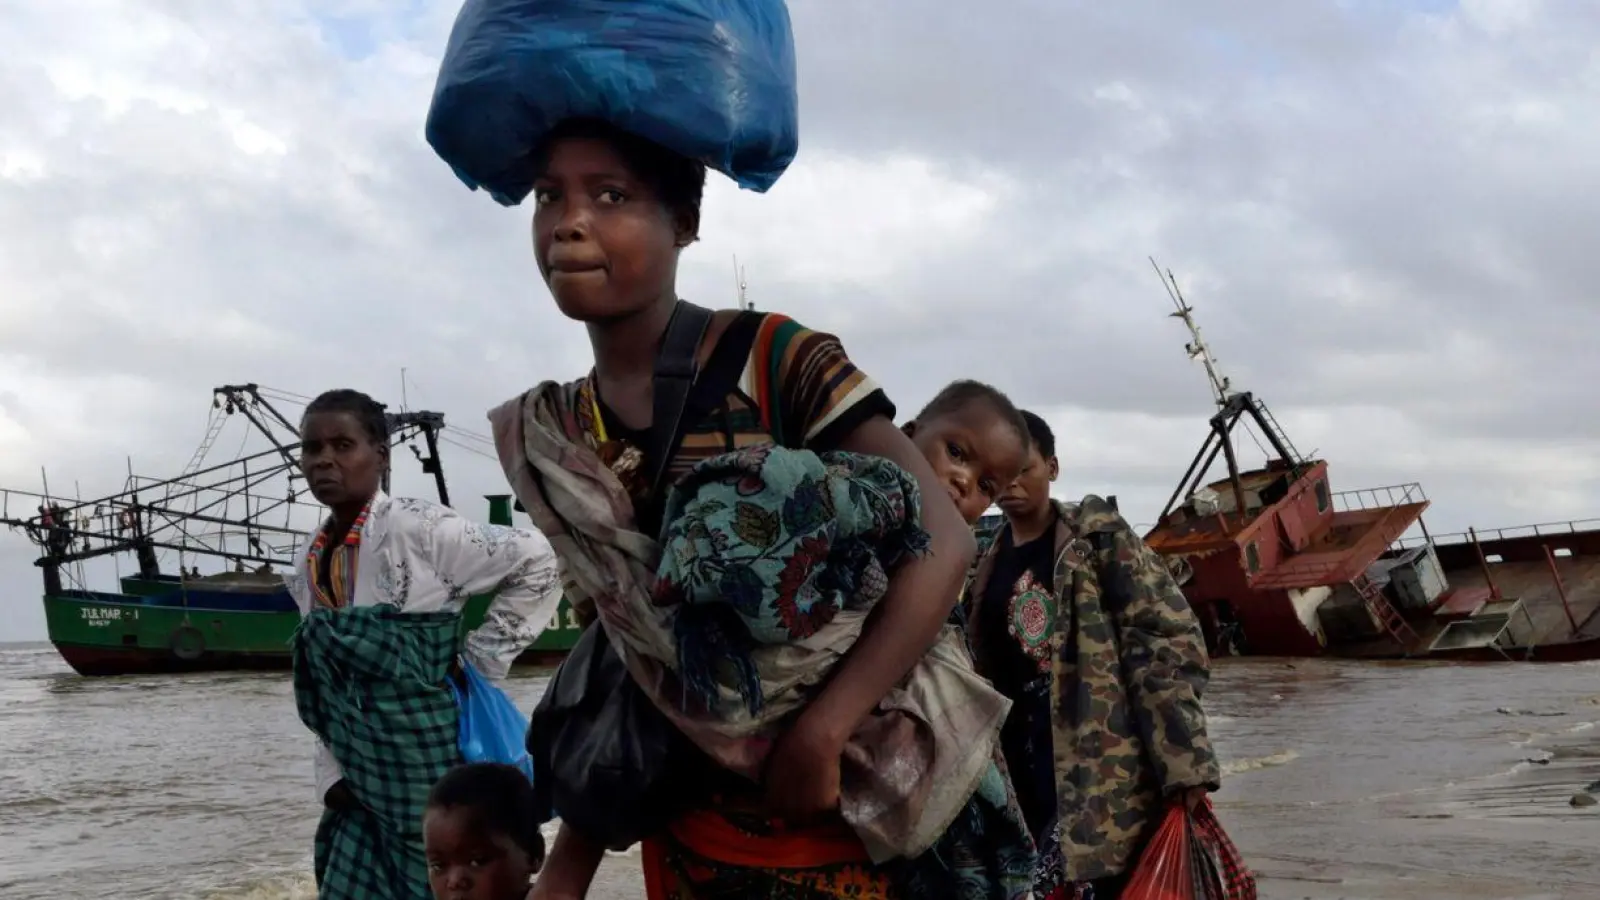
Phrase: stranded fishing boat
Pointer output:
(1275, 563)
(238, 619)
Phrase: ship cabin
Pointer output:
(1281, 564)
(1272, 548)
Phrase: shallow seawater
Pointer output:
(1343, 780)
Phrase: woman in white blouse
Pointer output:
(411, 555)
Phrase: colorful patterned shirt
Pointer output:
(769, 379)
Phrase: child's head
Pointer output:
(976, 441)
(481, 833)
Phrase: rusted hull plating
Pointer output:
(1553, 570)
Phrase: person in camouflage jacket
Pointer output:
(1082, 625)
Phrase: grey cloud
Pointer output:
(1306, 154)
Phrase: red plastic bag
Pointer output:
(1190, 857)
(1219, 869)
(1166, 867)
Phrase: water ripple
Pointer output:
(1375, 780)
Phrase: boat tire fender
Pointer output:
(187, 643)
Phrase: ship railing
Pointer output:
(15, 504)
(1545, 529)
(1379, 497)
(5, 502)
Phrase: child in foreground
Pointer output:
(481, 833)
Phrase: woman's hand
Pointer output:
(802, 772)
(568, 868)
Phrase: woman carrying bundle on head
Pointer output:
(784, 798)
(767, 694)
(380, 587)
(764, 805)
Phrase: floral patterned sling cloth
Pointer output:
(762, 551)
(765, 546)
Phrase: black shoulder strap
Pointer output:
(1103, 546)
(674, 375)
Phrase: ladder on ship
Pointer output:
(1388, 618)
(213, 428)
(1277, 436)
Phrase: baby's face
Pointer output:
(975, 452)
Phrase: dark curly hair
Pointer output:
(367, 411)
(499, 797)
(957, 395)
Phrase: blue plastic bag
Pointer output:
(492, 729)
(713, 80)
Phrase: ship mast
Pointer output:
(1221, 387)
(739, 285)
(148, 515)
(1232, 406)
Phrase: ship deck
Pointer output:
(1197, 535)
(1529, 582)
(1532, 583)
(1184, 533)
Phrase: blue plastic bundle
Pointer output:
(491, 728)
(713, 80)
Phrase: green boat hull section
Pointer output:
(145, 629)
(110, 634)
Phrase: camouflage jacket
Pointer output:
(1128, 666)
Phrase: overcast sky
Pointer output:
(1383, 212)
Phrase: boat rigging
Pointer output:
(197, 512)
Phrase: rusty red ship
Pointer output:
(1277, 563)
